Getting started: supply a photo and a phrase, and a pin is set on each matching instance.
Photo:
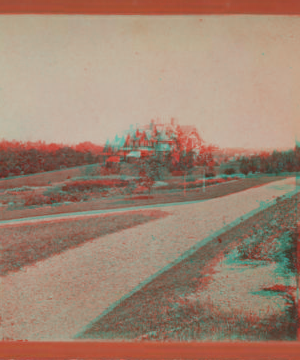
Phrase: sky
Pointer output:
(85, 78)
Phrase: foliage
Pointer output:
(244, 167)
(146, 180)
(153, 168)
(17, 158)
(229, 171)
(274, 163)
(52, 198)
(132, 185)
(93, 185)
(210, 172)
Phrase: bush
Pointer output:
(145, 180)
(52, 198)
(131, 187)
(229, 171)
(106, 171)
(210, 173)
(270, 248)
(93, 185)
(37, 199)
(177, 173)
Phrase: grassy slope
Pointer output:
(23, 245)
(44, 178)
(164, 309)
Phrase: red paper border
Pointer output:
(127, 350)
(122, 350)
(150, 7)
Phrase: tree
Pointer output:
(205, 155)
(244, 166)
(153, 168)
(229, 171)
(131, 187)
(146, 180)
(253, 164)
(189, 159)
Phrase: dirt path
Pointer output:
(58, 297)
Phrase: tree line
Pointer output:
(24, 158)
(274, 163)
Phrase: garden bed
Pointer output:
(104, 200)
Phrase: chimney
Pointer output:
(152, 125)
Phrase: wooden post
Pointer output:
(184, 183)
(204, 180)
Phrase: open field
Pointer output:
(23, 245)
(239, 286)
(114, 202)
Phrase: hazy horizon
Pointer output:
(72, 144)
(71, 79)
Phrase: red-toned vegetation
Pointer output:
(24, 158)
(52, 198)
(93, 185)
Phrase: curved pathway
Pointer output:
(56, 298)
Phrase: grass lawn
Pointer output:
(23, 245)
(240, 286)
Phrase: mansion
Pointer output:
(155, 139)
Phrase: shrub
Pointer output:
(229, 171)
(146, 180)
(270, 248)
(177, 173)
(105, 171)
(52, 198)
(244, 169)
(131, 187)
(93, 185)
(37, 199)
(210, 174)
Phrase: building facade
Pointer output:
(156, 139)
